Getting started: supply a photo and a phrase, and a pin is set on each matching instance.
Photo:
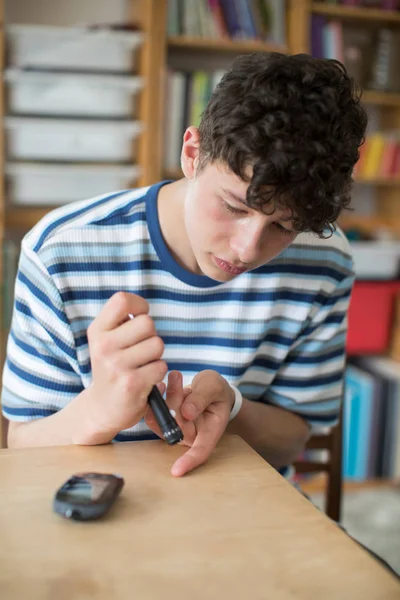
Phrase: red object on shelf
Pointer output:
(370, 316)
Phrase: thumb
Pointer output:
(193, 405)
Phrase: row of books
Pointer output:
(187, 96)
(371, 419)
(381, 4)
(236, 19)
(379, 156)
(371, 58)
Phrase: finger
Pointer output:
(151, 374)
(194, 405)
(117, 308)
(175, 391)
(140, 354)
(206, 440)
(133, 331)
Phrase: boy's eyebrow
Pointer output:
(234, 196)
(243, 201)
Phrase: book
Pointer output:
(173, 18)
(217, 16)
(231, 18)
(373, 156)
(317, 31)
(174, 124)
(200, 96)
(278, 18)
(358, 407)
(245, 16)
(388, 370)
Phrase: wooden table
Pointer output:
(232, 529)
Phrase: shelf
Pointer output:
(368, 224)
(356, 12)
(379, 181)
(25, 217)
(224, 45)
(381, 98)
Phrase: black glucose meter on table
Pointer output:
(87, 496)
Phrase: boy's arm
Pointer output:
(43, 394)
(307, 391)
(276, 434)
(71, 425)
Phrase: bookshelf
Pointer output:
(386, 188)
(150, 16)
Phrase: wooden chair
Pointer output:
(3, 432)
(332, 443)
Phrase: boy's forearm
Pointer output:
(277, 434)
(71, 425)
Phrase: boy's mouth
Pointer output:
(228, 267)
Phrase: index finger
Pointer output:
(117, 309)
(206, 440)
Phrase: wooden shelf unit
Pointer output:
(24, 218)
(359, 13)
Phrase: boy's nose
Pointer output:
(246, 248)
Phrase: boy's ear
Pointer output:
(190, 152)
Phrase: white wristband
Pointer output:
(237, 404)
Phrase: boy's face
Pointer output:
(227, 237)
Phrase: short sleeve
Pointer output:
(310, 381)
(41, 372)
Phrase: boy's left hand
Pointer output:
(202, 412)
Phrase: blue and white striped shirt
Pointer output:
(278, 332)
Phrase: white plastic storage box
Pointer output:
(71, 94)
(376, 260)
(42, 184)
(71, 140)
(73, 48)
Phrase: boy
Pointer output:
(235, 275)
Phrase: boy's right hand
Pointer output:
(126, 362)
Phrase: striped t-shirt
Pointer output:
(278, 332)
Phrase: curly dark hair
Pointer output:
(298, 122)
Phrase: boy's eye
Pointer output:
(283, 229)
(232, 209)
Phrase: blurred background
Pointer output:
(95, 97)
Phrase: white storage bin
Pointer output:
(42, 184)
(75, 48)
(71, 140)
(376, 260)
(71, 94)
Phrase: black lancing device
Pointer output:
(170, 429)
